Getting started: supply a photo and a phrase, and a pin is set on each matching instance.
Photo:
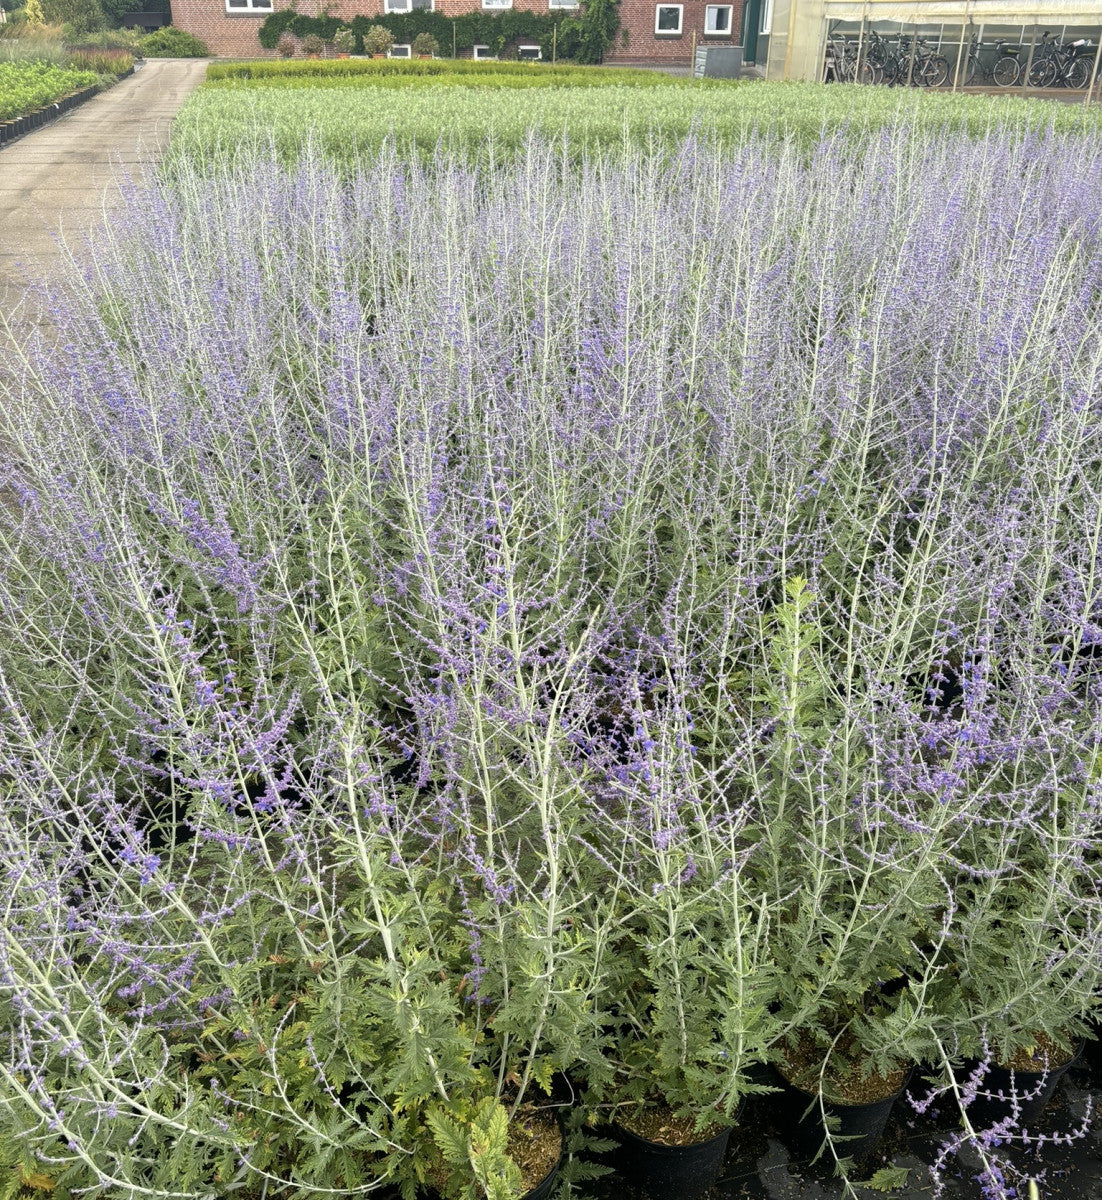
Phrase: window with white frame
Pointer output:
(497, 3)
(562, 3)
(403, 51)
(405, 6)
(767, 16)
(717, 19)
(482, 52)
(248, 6)
(529, 52)
(667, 18)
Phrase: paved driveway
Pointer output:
(60, 180)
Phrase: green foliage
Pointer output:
(474, 1145)
(463, 32)
(584, 38)
(102, 62)
(79, 16)
(441, 72)
(424, 103)
(425, 44)
(377, 39)
(587, 38)
(170, 42)
(114, 10)
(26, 86)
(886, 1179)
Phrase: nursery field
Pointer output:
(506, 656)
(25, 86)
(354, 109)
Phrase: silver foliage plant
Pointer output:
(621, 621)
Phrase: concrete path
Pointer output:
(61, 180)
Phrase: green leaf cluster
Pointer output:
(584, 38)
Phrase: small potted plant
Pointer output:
(692, 987)
(343, 41)
(286, 46)
(312, 45)
(378, 41)
(425, 46)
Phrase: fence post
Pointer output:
(1029, 57)
(1094, 70)
(860, 51)
(960, 49)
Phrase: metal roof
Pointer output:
(1003, 12)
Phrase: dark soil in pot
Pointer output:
(536, 1145)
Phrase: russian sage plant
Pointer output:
(619, 619)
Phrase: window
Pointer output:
(400, 51)
(247, 6)
(562, 3)
(530, 52)
(766, 16)
(497, 3)
(405, 6)
(482, 52)
(667, 18)
(717, 19)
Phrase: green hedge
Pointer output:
(170, 42)
(583, 38)
(414, 73)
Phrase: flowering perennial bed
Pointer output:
(625, 621)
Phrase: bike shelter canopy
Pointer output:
(800, 27)
(1002, 12)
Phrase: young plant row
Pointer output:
(463, 630)
(416, 109)
(26, 86)
(416, 73)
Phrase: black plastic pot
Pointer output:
(546, 1185)
(1000, 1086)
(669, 1172)
(856, 1128)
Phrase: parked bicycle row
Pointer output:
(905, 60)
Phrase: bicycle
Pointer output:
(1059, 65)
(1007, 70)
(929, 69)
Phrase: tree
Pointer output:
(585, 39)
(81, 16)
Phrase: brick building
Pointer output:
(650, 32)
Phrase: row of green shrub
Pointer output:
(582, 37)
(411, 108)
(55, 43)
(398, 72)
(25, 86)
